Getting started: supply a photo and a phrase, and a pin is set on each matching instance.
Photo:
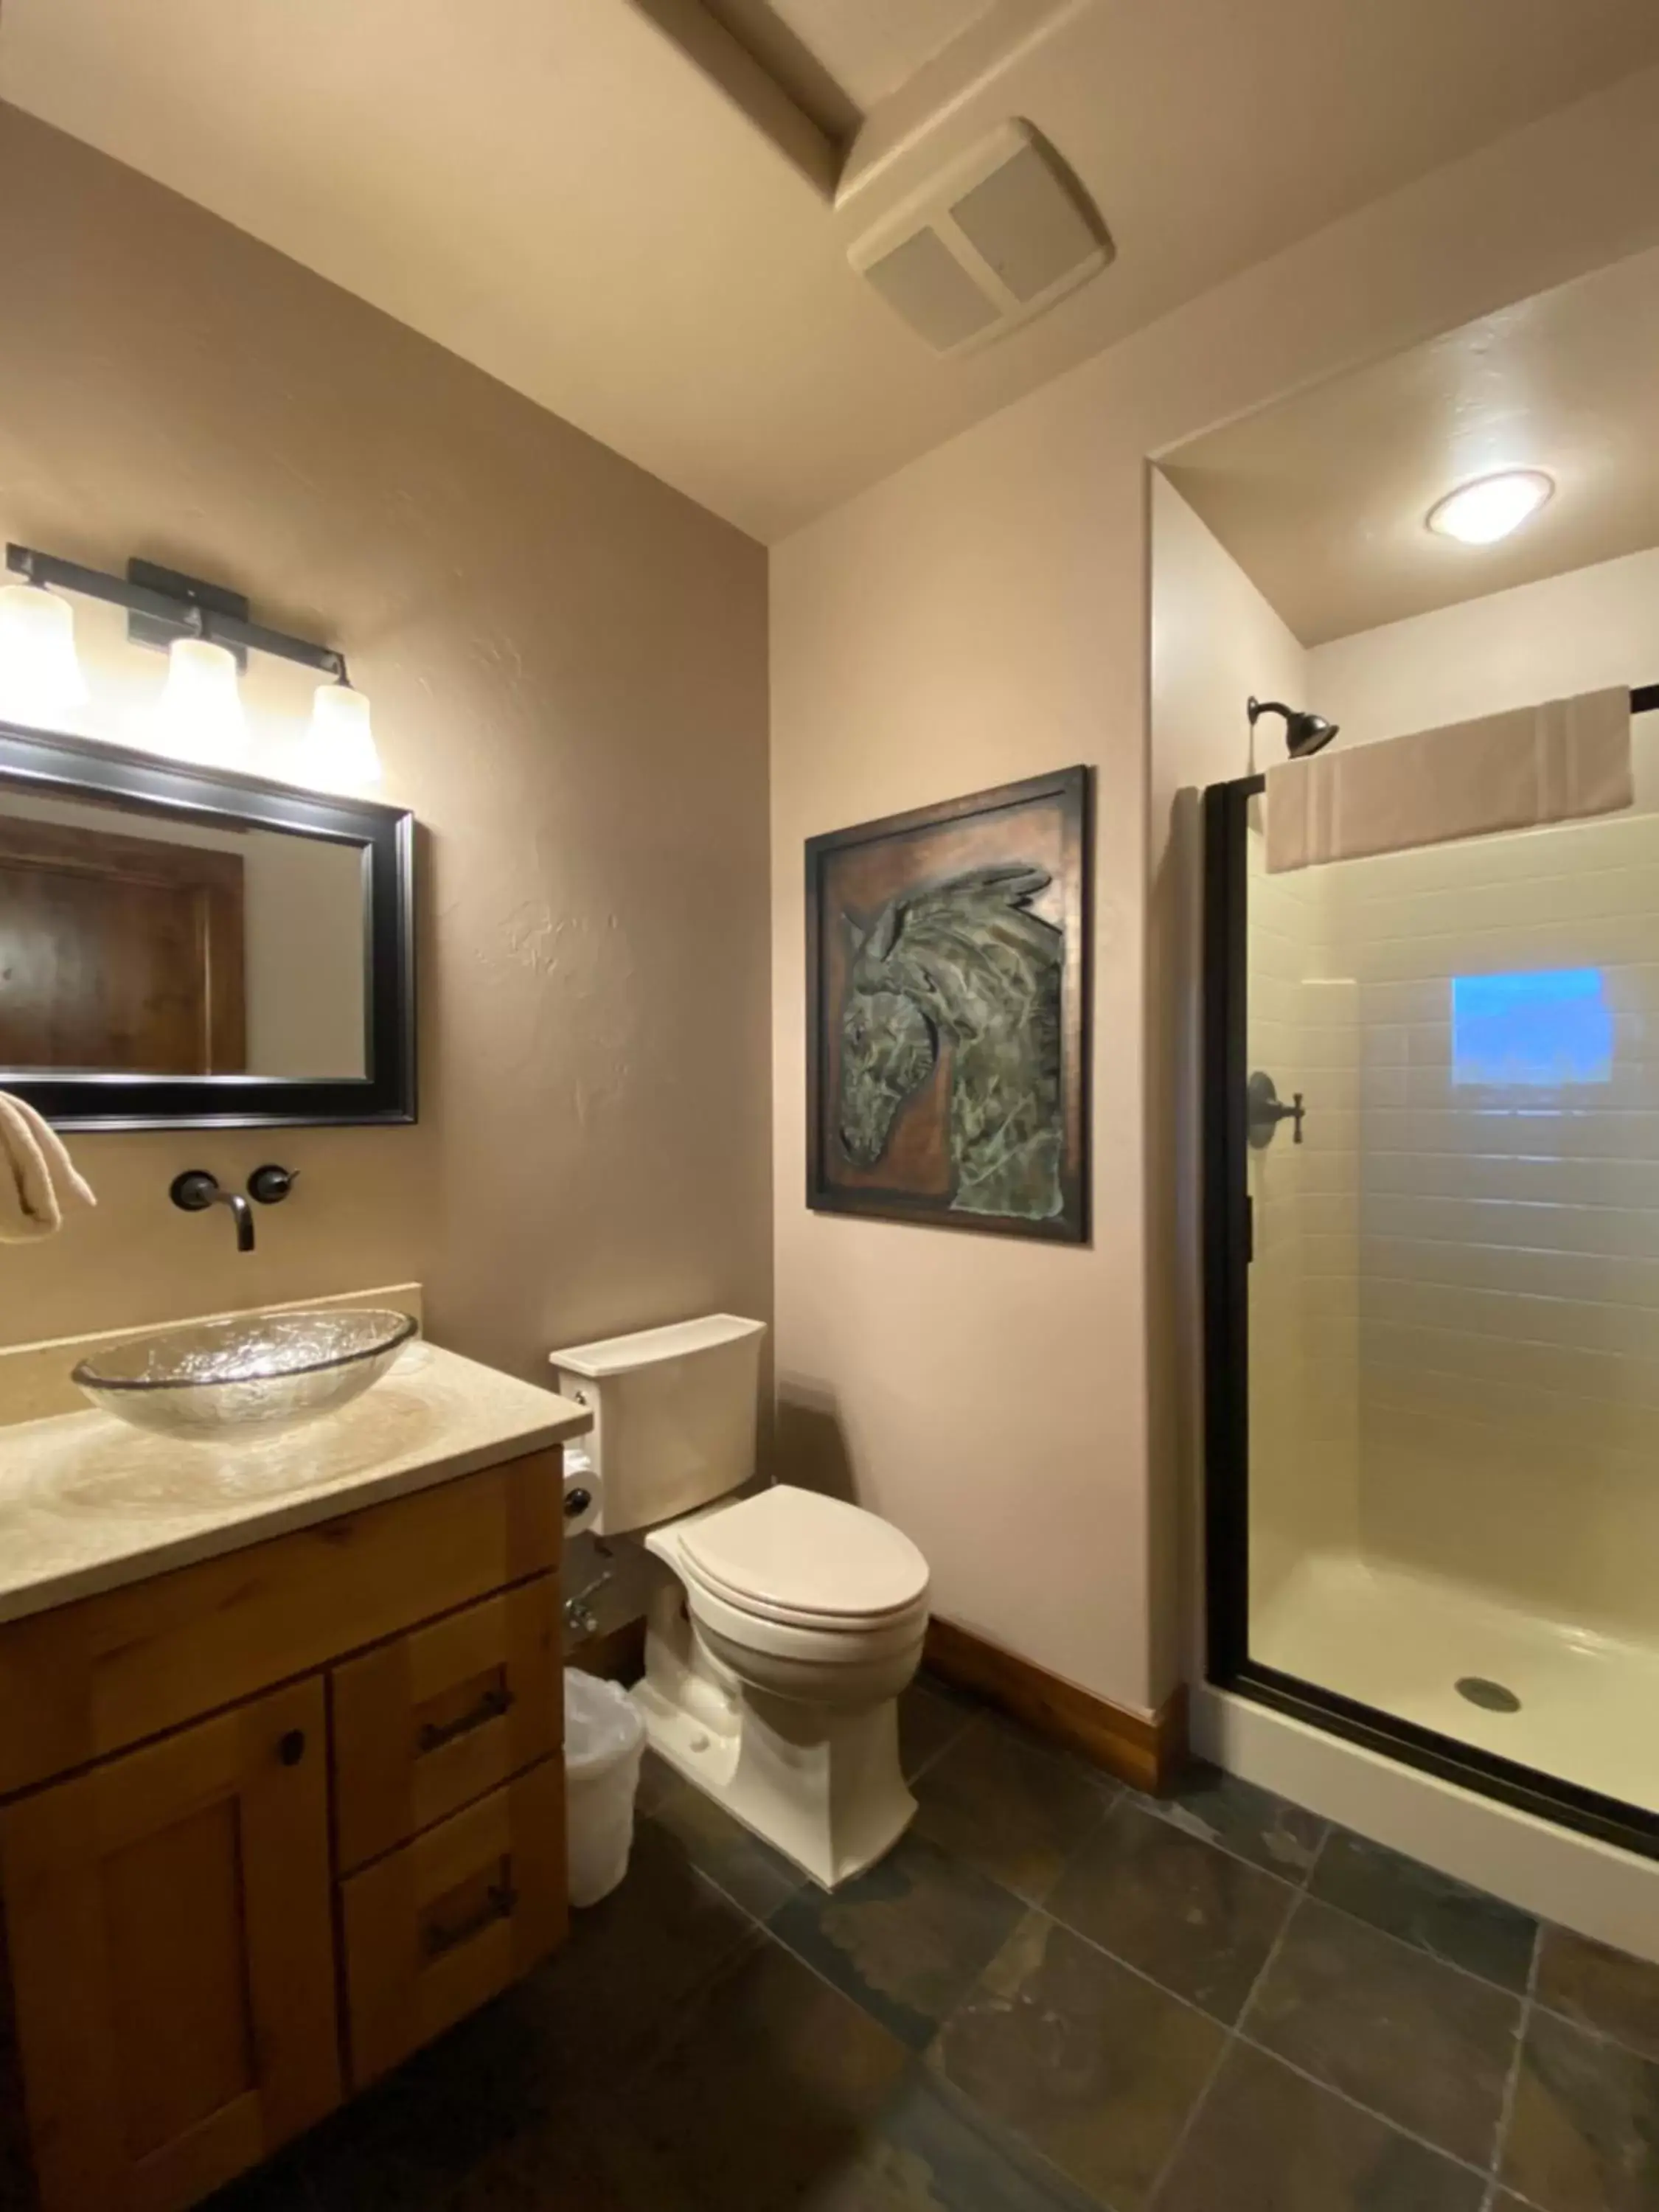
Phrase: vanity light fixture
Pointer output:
(199, 717)
(1480, 513)
(40, 678)
(340, 747)
(206, 631)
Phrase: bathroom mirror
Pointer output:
(190, 948)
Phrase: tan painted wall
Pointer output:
(568, 664)
(1568, 633)
(980, 616)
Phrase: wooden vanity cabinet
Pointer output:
(220, 1917)
(172, 1950)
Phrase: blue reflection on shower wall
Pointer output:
(1549, 1027)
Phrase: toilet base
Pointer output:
(820, 1783)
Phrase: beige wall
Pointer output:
(568, 664)
(980, 616)
(1570, 633)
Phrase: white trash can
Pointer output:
(603, 1743)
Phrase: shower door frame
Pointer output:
(1227, 1233)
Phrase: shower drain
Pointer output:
(1493, 1696)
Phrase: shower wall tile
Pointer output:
(1539, 1226)
(1593, 1325)
(1571, 1132)
(1505, 1255)
(1304, 1030)
(1534, 1178)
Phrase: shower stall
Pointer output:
(1432, 1209)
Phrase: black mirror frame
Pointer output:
(56, 763)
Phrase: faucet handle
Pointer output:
(270, 1184)
(193, 1191)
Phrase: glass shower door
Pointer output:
(1439, 1509)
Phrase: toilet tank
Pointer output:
(674, 1412)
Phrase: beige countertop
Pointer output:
(88, 1504)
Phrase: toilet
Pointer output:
(788, 1624)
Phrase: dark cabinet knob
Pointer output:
(291, 1748)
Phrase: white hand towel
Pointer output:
(37, 1175)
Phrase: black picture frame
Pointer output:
(50, 761)
(1066, 795)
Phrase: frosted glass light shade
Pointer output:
(1482, 512)
(40, 678)
(200, 716)
(340, 750)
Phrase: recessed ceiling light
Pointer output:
(1482, 512)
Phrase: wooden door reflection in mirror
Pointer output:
(119, 953)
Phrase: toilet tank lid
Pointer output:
(616, 1355)
(818, 1556)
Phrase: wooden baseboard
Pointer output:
(619, 1654)
(1149, 1754)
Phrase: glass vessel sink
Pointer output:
(209, 1380)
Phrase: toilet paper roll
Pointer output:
(581, 1491)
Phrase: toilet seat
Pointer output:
(809, 1657)
(797, 1560)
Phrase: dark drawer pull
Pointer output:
(499, 1905)
(489, 1707)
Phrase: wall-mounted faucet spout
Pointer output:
(195, 1190)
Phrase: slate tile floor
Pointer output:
(1055, 1996)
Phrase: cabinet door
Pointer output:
(168, 1915)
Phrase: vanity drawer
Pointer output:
(434, 1719)
(90, 1678)
(437, 1928)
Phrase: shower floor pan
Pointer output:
(1401, 1643)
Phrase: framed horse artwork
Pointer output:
(947, 1001)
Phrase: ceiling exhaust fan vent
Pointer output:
(987, 244)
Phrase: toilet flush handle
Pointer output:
(580, 1618)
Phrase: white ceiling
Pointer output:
(1322, 500)
(551, 188)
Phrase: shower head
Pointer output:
(1305, 733)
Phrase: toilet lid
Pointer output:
(792, 1554)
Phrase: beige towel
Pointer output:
(37, 1175)
(1556, 763)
